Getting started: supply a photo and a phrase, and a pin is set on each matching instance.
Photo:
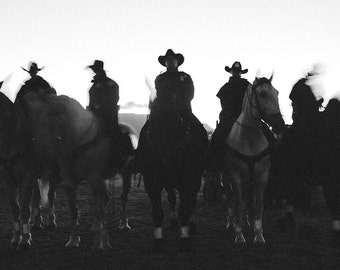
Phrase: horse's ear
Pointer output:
(271, 77)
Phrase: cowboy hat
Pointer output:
(97, 65)
(236, 67)
(170, 53)
(33, 67)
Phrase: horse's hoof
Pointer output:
(259, 239)
(158, 249)
(124, 226)
(51, 224)
(24, 246)
(15, 240)
(230, 226)
(106, 241)
(73, 242)
(174, 224)
(107, 246)
(239, 239)
(25, 242)
(14, 245)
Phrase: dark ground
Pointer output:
(213, 248)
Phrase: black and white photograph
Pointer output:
(170, 134)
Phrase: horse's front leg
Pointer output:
(188, 190)
(51, 222)
(260, 183)
(25, 196)
(15, 212)
(124, 222)
(101, 239)
(174, 223)
(226, 180)
(154, 191)
(35, 208)
(238, 186)
(74, 239)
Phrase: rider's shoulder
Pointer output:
(184, 74)
(185, 77)
(245, 81)
(110, 82)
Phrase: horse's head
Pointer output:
(165, 113)
(29, 108)
(265, 103)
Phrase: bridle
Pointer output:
(259, 82)
(251, 160)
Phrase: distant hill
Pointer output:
(135, 120)
(138, 120)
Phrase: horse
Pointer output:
(298, 167)
(330, 164)
(18, 172)
(68, 146)
(172, 158)
(44, 192)
(247, 152)
(43, 185)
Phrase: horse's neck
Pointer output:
(249, 128)
(12, 145)
(246, 135)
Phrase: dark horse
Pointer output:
(68, 146)
(18, 168)
(43, 195)
(172, 157)
(309, 156)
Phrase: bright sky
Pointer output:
(128, 35)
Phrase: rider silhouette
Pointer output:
(104, 96)
(304, 103)
(35, 84)
(103, 99)
(231, 97)
(175, 83)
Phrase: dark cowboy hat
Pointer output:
(97, 65)
(170, 53)
(236, 67)
(33, 67)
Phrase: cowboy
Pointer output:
(231, 97)
(179, 83)
(35, 84)
(304, 100)
(104, 96)
(176, 83)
